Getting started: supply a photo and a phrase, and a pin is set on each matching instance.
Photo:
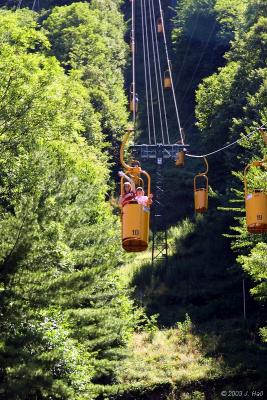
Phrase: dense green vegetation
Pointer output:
(65, 316)
(233, 101)
(78, 318)
(224, 43)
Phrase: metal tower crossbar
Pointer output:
(149, 151)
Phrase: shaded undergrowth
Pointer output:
(214, 349)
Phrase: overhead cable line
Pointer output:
(149, 72)
(187, 123)
(199, 61)
(155, 69)
(146, 72)
(34, 3)
(187, 50)
(226, 146)
(160, 69)
(133, 66)
(170, 71)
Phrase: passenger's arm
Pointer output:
(149, 199)
(121, 173)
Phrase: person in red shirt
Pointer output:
(128, 190)
(128, 194)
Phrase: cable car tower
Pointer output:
(158, 83)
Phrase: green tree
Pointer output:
(232, 102)
(89, 38)
(65, 315)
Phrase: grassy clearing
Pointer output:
(167, 356)
(164, 356)
(136, 261)
(186, 361)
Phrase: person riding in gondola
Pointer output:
(141, 198)
(128, 190)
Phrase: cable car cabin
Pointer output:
(167, 80)
(201, 194)
(135, 227)
(133, 104)
(159, 25)
(134, 216)
(132, 46)
(180, 159)
(264, 135)
(256, 211)
(256, 205)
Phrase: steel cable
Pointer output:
(226, 146)
(187, 50)
(155, 68)
(133, 66)
(169, 67)
(146, 72)
(199, 61)
(160, 69)
(149, 73)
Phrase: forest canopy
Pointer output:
(78, 318)
(232, 102)
(65, 316)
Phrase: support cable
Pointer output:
(226, 146)
(133, 66)
(169, 67)
(187, 121)
(160, 69)
(156, 69)
(149, 73)
(187, 50)
(146, 72)
(199, 61)
(35, 3)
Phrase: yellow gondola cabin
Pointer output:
(256, 204)
(264, 135)
(201, 195)
(159, 25)
(134, 217)
(167, 80)
(135, 222)
(201, 191)
(180, 158)
(135, 227)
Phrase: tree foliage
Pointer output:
(65, 315)
(89, 38)
(230, 103)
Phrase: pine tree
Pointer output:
(65, 315)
